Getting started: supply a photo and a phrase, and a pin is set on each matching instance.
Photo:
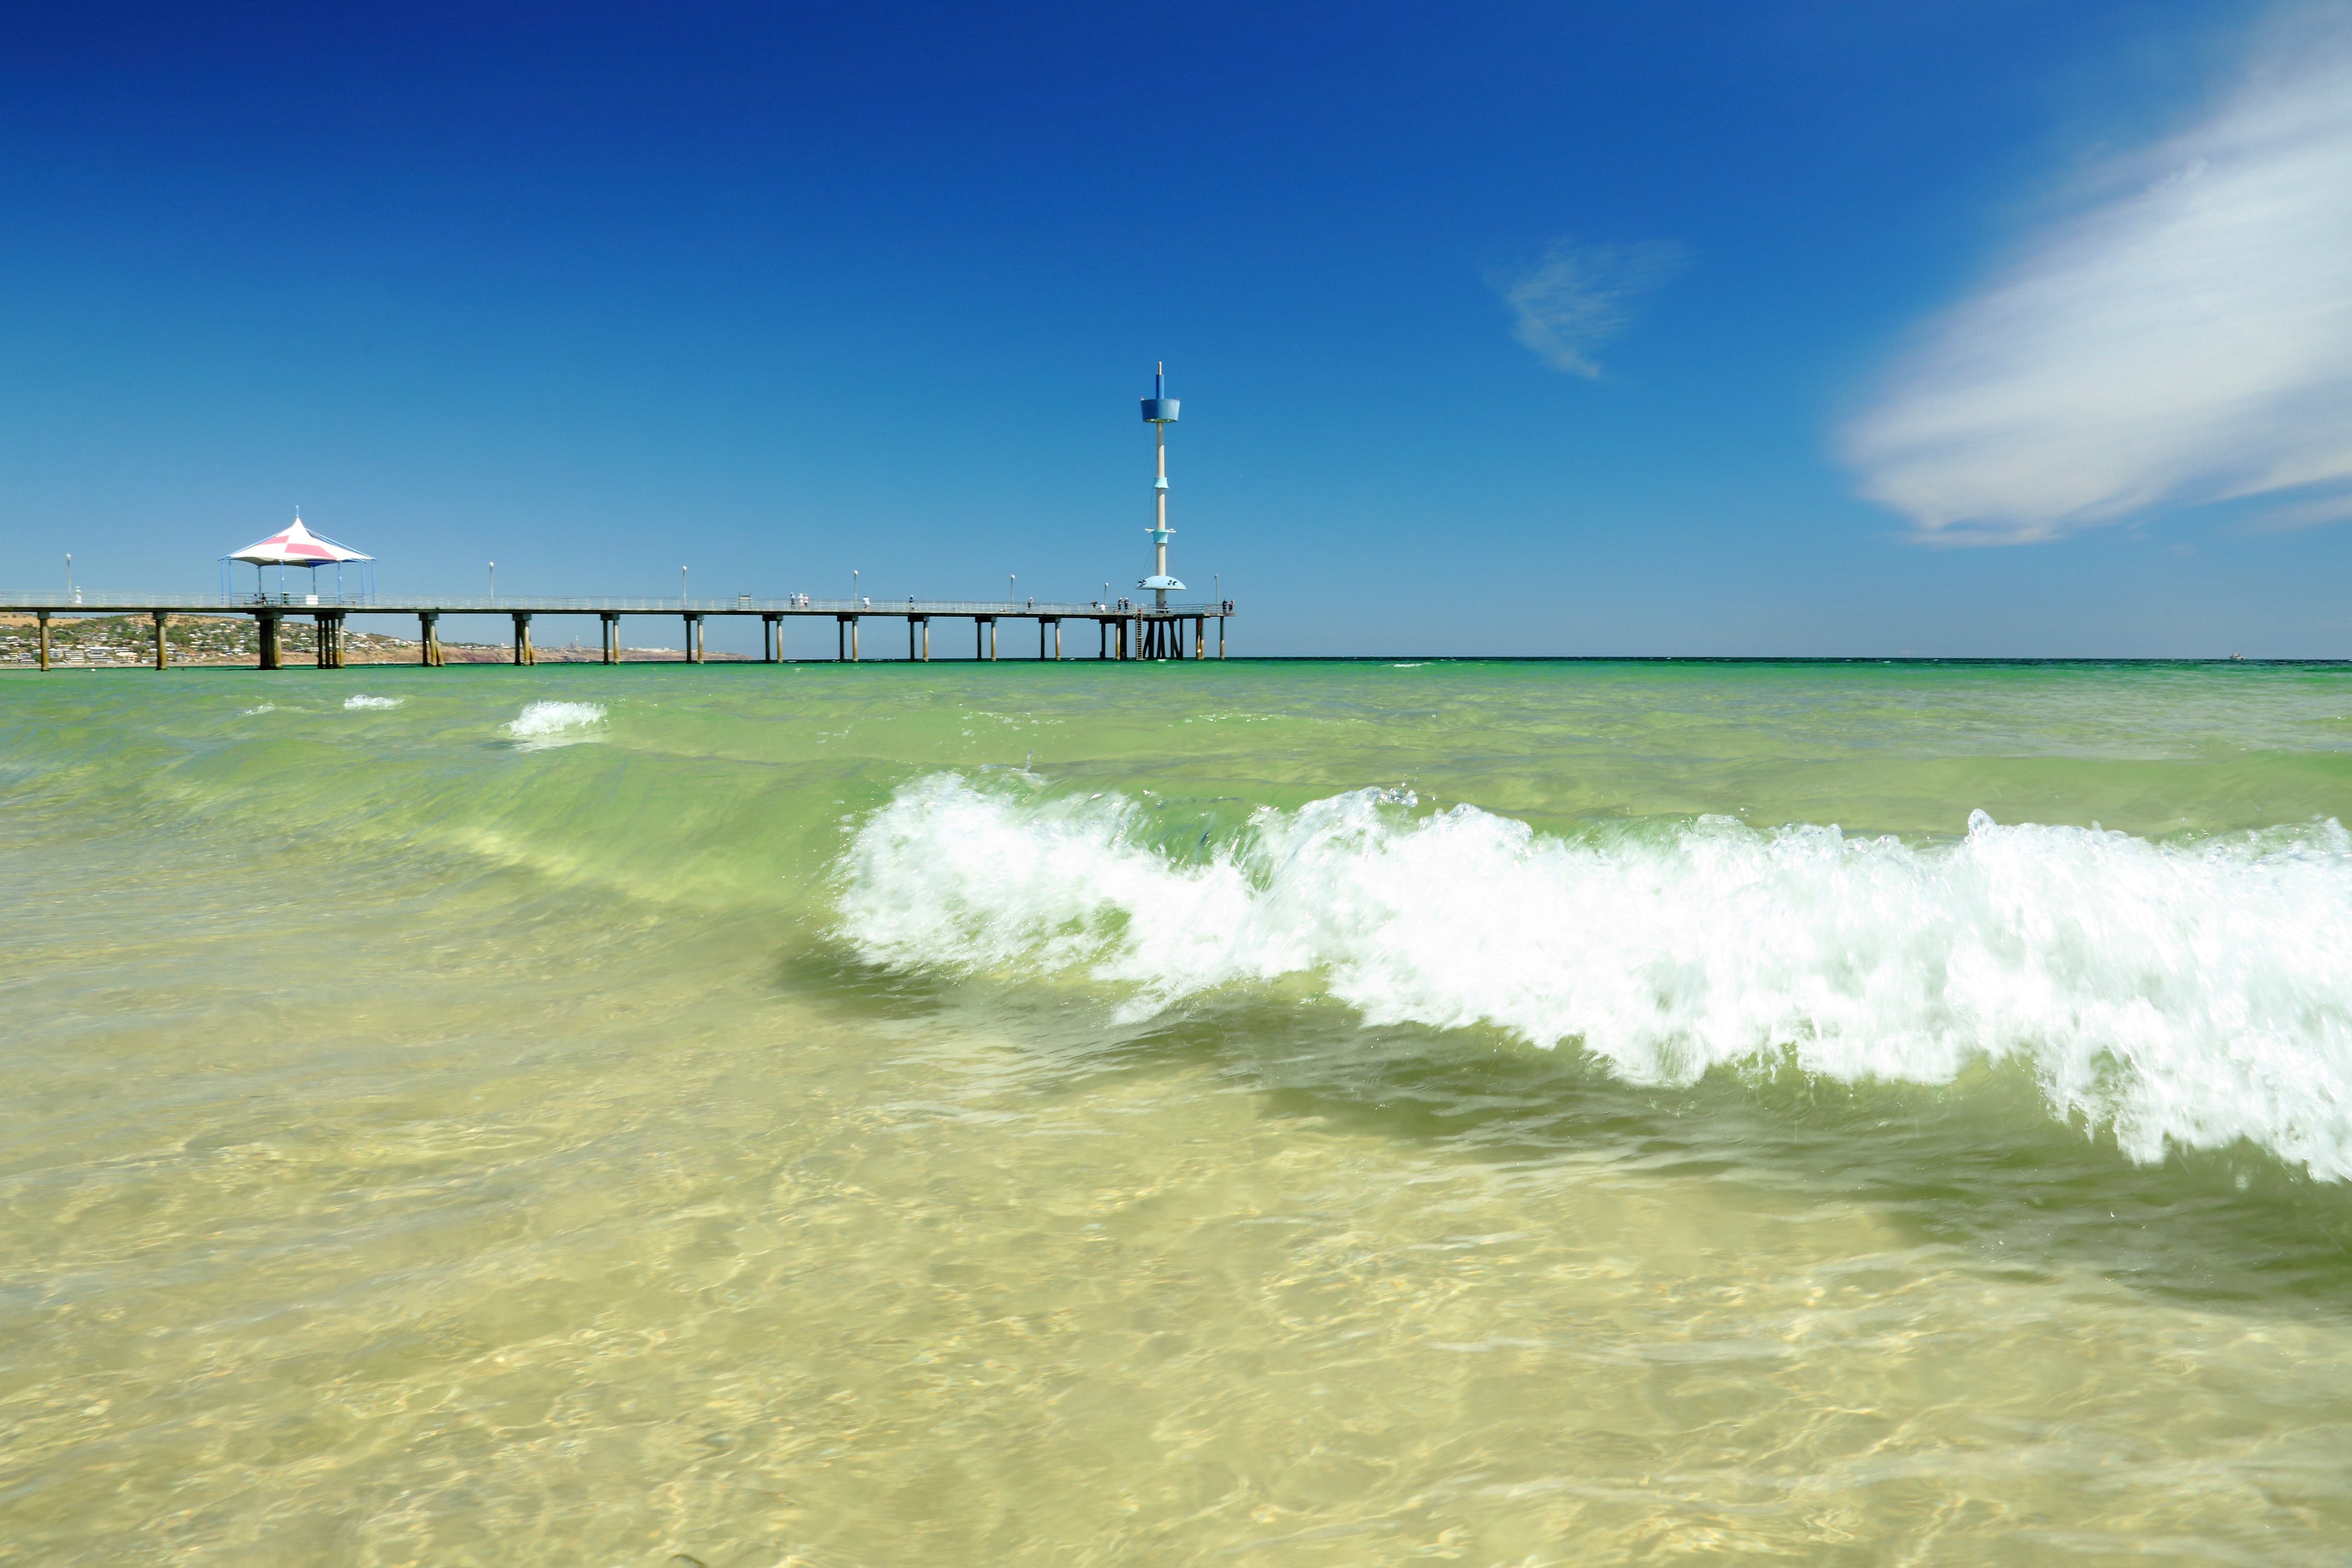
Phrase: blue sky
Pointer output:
(2014, 327)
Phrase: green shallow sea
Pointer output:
(1277, 1113)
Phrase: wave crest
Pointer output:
(2189, 993)
(547, 723)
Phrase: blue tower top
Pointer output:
(1160, 408)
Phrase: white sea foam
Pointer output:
(350, 702)
(265, 707)
(2187, 993)
(554, 723)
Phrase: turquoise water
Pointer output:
(1314, 1113)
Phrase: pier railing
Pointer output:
(84, 602)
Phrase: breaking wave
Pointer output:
(549, 721)
(2183, 993)
(364, 701)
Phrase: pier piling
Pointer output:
(163, 647)
(44, 618)
(524, 652)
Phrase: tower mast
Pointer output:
(1160, 412)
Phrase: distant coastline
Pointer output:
(128, 642)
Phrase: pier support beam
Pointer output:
(163, 647)
(1221, 637)
(328, 628)
(911, 639)
(611, 620)
(272, 648)
(524, 652)
(428, 638)
(44, 618)
(853, 640)
(772, 639)
(693, 637)
(1056, 621)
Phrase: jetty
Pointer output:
(1162, 629)
(1123, 630)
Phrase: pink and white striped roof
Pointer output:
(295, 546)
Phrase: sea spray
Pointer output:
(548, 723)
(2191, 993)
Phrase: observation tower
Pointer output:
(1160, 412)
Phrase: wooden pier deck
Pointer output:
(1123, 631)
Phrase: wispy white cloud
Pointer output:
(1577, 296)
(2183, 335)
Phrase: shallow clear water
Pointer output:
(1301, 1114)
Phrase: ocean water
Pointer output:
(1283, 1113)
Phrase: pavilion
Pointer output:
(295, 546)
